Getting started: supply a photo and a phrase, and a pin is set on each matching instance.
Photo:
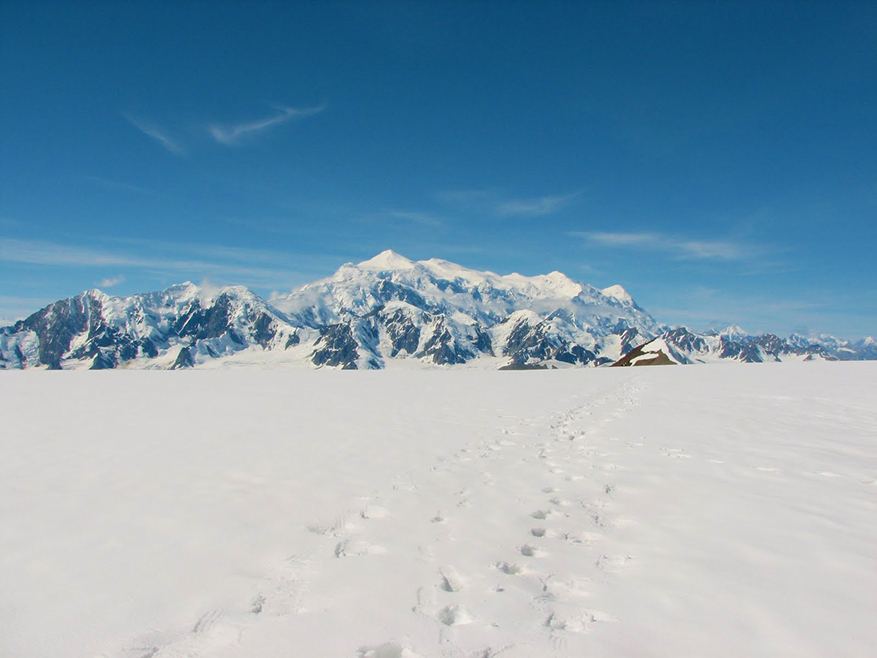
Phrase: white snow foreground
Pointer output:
(712, 511)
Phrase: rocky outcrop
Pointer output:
(184, 359)
(336, 347)
(643, 356)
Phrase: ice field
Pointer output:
(677, 511)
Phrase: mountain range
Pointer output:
(385, 312)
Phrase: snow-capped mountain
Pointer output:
(682, 346)
(384, 312)
(177, 324)
(390, 307)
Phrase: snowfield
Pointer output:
(676, 511)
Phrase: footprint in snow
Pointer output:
(610, 563)
(575, 537)
(565, 589)
(207, 637)
(340, 524)
(451, 581)
(357, 547)
(528, 550)
(374, 512)
(510, 568)
(388, 650)
(454, 615)
(577, 621)
(206, 621)
(573, 624)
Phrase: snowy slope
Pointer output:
(620, 512)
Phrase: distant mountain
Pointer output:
(683, 346)
(170, 328)
(386, 311)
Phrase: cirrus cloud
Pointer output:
(492, 202)
(156, 133)
(681, 249)
(111, 281)
(238, 134)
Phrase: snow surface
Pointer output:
(708, 511)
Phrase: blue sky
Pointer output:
(717, 159)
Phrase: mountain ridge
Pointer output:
(385, 311)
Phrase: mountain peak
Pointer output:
(387, 260)
(95, 293)
(618, 293)
(560, 284)
(734, 331)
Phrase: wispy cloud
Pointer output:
(177, 260)
(680, 249)
(110, 282)
(536, 206)
(158, 134)
(493, 202)
(36, 252)
(237, 134)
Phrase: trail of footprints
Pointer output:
(562, 519)
(559, 600)
(570, 512)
